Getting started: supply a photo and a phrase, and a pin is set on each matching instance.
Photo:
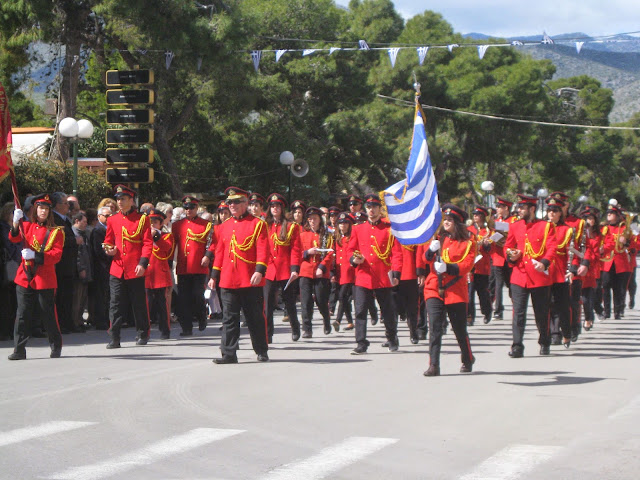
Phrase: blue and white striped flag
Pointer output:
(412, 204)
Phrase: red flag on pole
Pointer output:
(6, 166)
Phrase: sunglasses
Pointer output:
(355, 203)
(221, 210)
(191, 207)
(103, 215)
(234, 202)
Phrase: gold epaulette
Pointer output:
(447, 258)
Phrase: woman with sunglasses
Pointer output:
(442, 266)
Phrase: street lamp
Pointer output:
(286, 159)
(76, 131)
(487, 186)
(542, 194)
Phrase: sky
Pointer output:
(512, 18)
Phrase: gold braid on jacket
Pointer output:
(528, 249)
(567, 238)
(287, 241)
(247, 244)
(384, 256)
(447, 258)
(157, 249)
(197, 237)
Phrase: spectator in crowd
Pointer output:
(101, 263)
(74, 206)
(83, 271)
(145, 208)
(109, 202)
(178, 214)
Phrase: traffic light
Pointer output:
(129, 175)
(129, 155)
(130, 135)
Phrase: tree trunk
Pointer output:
(169, 164)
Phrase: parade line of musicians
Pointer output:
(259, 253)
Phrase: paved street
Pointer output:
(165, 411)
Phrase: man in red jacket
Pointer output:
(191, 235)
(240, 262)
(530, 248)
(377, 258)
(500, 269)
(128, 241)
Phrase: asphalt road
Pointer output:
(165, 411)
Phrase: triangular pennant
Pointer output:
(422, 54)
(333, 49)
(393, 54)
(168, 58)
(142, 51)
(482, 49)
(256, 55)
(363, 45)
(517, 43)
(452, 46)
(279, 54)
(199, 63)
(579, 46)
(546, 39)
(308, 51)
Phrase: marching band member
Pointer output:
(482, 268)
(500, 268)
(593, 242)
(344, 271)
(616, 267)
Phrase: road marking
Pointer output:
(512, 462)
(29, 433)
(330, 460)
(147, 455)
(628, 409)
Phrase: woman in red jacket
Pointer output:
(36, 280)
(446, 263)
(591, 244)
(344, 270)
(315, 271)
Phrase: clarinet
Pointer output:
(567, 276)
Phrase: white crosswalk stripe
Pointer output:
(330, 460)
(147, 455)
(512, 462)
(42, 430)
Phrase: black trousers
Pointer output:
(288, 297)
(362, 298)
(598, 296)
(540, 301)
(576, 305)
(560, 310)
(480, 285)
(333, 296)
(251, 301)
(632, 287)
(99, 297)
(64, 302)
(191, 304)
(345, 296)
(617, 283)
(128, 296)
(406, 302)
(157, 301)
(423, 325)
(501, 277)
(28, 299)
(321, 287)
(588, 296)
(8, 309)
(457, 312)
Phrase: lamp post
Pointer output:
(487, 186)
(75, 131)
(542, 194)
(286, 159)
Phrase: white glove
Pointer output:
(435, 245)
(440, 267)
(28, 254)
(17, 215)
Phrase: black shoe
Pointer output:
(617, 316)
(165, 336)
(566, 342)
(142, 341)
(263, 357)
(307, 335)
(295, 336)
(632, 304)
(349, 327)
(497, 316)
(38, 334)
(516, 353)
(374, 321)
(226, 359)
(487, 319)
(432, 371)
(20, 355)
(545, 350)
(385, 344)
(393, 346)
(186, 334)
(113, 344)
(202, 324)
(55, 353)
(414, 340)
(574, 337)
(336, 325)
(327, 330)
(359, 350)
(556, 341)
(422, 336)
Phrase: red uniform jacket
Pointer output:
(344, 270)
(242, 249)
(408, 262)
(159, 272)
(381, 252)
(191, 238)
(43, 266)
(482, 266)
(497, 254)
(614, 252)
(558, 267)
(593, 242)
(310, 263)
(284, 255)
(537, 241)
(459, 257)
(131, 235)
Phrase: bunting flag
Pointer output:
(412, 204)
(308, 51)
(142, 51)
(546, 39)
(256, 55)
(363, 45)
(279, 54)
(517, 43)
(482, 49)
(393, 54)
(5, 136)
(422, 54)
(579, 46)
(168, 58)
(333, 49)
(452, 46)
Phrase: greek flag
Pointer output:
(412, 204)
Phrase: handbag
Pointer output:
(10, 269)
